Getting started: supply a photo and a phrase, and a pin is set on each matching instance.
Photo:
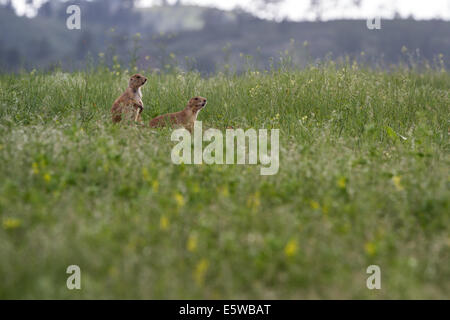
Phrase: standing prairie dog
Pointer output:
(129, 105)
(185, 118)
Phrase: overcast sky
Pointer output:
(298, 9)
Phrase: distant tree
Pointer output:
(213, 19)
(318, 6)
(46, 10)
(265, 4)
(7, 4)
(164, 3)
(128, 4)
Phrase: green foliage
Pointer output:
(363, 180)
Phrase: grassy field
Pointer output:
(363, 180)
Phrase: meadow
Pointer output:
(363, 180)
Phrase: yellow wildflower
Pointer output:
(145, 174)
(192, 243)
(179, 199)
(253, 201)
(342, 182)
(164, 223)
(291, 248)
(224, 191)
(35, 167)
(11, 223)
(200, 271)
(47, 177)
(397, 183)
(155, 186)
(370, 248)
(314, 204)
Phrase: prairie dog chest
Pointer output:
(138, 96)
(193, 117)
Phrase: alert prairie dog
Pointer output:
(129, 105)
(184, 118)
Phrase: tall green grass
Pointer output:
(363, 180)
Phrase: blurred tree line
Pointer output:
(201, 38)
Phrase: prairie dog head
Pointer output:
(197, 103)
(137, 81)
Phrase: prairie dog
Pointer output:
(129, 105)
(185, 118)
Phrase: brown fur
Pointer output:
(129, 105)
(184, 118)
